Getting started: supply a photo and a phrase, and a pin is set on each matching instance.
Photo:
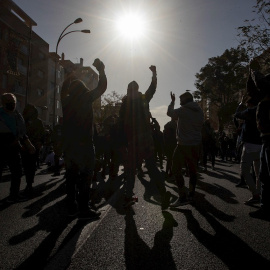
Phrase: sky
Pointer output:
(177, 36)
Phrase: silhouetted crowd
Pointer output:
(84, 150)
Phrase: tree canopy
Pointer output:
(109, 105)
(255, 34)
(221, 79)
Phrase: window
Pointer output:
(24, 49)
(57, 104)
(58, 89)
(40, 92)
(40, 74)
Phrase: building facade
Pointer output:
(27, 68)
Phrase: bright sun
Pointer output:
(131, 26)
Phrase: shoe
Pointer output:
(128, 201)
(28, 192)
(204, 169)
(180, 202)
(261, 213)
(254, 199)
(73, 210)
(89, 215)
(241, 184)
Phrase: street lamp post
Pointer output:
(57, 60)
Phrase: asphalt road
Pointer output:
(216, 232)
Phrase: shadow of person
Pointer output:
(53, 221)
(138, 255)
(231, 249)
(217, 190)
(149, 192)
(37, 205)
(158, 178)
(161, 255)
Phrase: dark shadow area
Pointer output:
(5, 178)
(36, 206)
(217, 190)
(229, 248)
(41, 255)
(150, 195)
(138, 255)
(102, 189)
(38, 191)
(223, 174)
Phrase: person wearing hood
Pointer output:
(78, 148)
(189, 138)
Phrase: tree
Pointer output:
(110, 104)
(220, 81)
(255, 35)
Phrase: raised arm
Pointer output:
(153, 86)
(171, 112)
(102, 83)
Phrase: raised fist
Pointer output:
(98, 64)
(153, 69)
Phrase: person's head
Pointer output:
(133, 89)
(76, 88)
(30, 112)
(186, 98)
(9, 102)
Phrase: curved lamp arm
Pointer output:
(60, 37)
(86, 31)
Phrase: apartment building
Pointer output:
(29, 70)
(23, 58)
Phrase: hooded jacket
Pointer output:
(189, 123)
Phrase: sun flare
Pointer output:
(131, 26)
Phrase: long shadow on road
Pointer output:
(139, 255)
(228, 247)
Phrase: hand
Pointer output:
(99, 65)
(153, 69)
(172, 97)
